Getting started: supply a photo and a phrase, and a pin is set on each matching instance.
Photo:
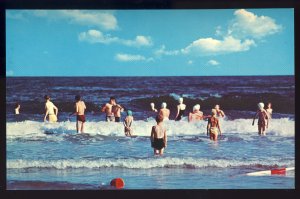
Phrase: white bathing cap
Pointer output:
(260, 105)
(180, 100)
(164, 105)
(196, 107)
(152, 104)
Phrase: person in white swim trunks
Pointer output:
(51, 110)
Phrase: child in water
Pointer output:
(213, 126)
(263, 119)
(158, 136)
(127, 123)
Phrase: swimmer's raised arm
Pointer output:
(254, 118)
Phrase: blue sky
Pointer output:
(150, 42)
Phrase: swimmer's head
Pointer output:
(77, 97)
(164, 105)
(260, 105)
(112, 99)
(213, 111)
(17, 105)
(46, 97)
(152, 105)
(159, 118)
(217, 106)
(269, 105)
(129, 112)
(180, 100)
(196, 107)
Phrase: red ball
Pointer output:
(117, 183)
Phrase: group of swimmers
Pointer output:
(158, 135)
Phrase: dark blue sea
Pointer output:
(67, 160)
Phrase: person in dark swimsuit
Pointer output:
(158, 137)
(79, 112)
(180, 109)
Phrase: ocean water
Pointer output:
(67, 160)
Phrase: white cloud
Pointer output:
(163, 51)
(131, 58)
(138, 41)
(213, 62)
(247, 24)
(96, 36)
(190, 62)
(101, 19)
(208, 46)
(9, 73)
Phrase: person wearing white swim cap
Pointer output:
(180, 109)
(263, 119)
(196, 115)
(153, 107)
(164, 112)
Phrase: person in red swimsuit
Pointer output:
(79, 111)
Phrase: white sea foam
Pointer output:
(280, 127)
(162, 162)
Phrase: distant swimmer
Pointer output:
(180, 109)
(158, 136)
(51, 110)
(17, 108)
(127, 123)
(220, 113)
(107, 108)
(117, 109)
(164, 112)
(213, 126)
(196, 115)
(269, 110)
(263, 119)
(153, 107)
(79, 112)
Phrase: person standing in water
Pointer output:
(153, 107)
(158, 136)
(180, 109)
(213, 126)
(107, 108)
(263, 119)
(17, 109)
(79, 112)
(117, 109)
(196, 115)
(269, 110)
(164, 112)
(220, 113)
(127, 123)
(51, 110)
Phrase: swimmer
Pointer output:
(196, 115)
(17, 109)
(220, 113)
(213, 126)
(263, 119)
(117, 109)
(180, 109)
(269, 110)
(51, 110)
(158, 136)
(107, 108)
(164, 112)
(127, 123)
(153, 107)
(79, 112)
